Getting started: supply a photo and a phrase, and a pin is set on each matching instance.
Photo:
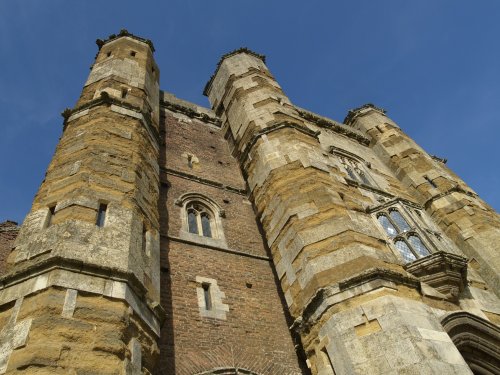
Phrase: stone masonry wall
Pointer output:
(319, 216)
(8, 233)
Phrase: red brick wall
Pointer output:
(8, 233)
(255, 334)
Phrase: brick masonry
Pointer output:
(254, 334)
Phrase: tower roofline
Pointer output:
(123, 33)
(353, 113)
(225, 56)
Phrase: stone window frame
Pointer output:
(354, 166)
(214, 212)
(217, 309)
(404, 234)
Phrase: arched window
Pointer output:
(404, 235)
(199, 219)
(399, 220)
(386, 224)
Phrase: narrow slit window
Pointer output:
(101, 215)
(124, 92)
(50, 215)
(206, 296)
(205, 225)
(144, 238)
(190, 161)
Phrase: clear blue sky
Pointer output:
(433, 65)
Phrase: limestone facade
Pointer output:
(255, 237)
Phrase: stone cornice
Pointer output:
(273, 128)
(225, 56)
(29, 271)
(174, 107)
(107, 100)
(379, 274)
(353, 113)
(218, 248)
(361, 283)
(123, 33)
(204, 181)
(333, 126)
(454, 189)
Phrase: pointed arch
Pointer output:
(201, 219)
(476, 339)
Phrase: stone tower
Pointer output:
(83, 278)
(367, 231)
(252, 238)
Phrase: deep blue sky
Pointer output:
(433, 65)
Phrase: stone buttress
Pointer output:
(81, 293)
(356, 308)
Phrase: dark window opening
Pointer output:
(124, 92)
(108, 54)
(190, 161)
(101, 215)
(52, 212)
(144, 238)
(207, 296)
(132, 53)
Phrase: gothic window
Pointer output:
(399, 220)
(386, 224)
(404, 236)
(355, 170)
(199, 219)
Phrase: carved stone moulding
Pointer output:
(477, 340)
(445, 272)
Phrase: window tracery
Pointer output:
(201, 219)
(354, 167)
(404, 236)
